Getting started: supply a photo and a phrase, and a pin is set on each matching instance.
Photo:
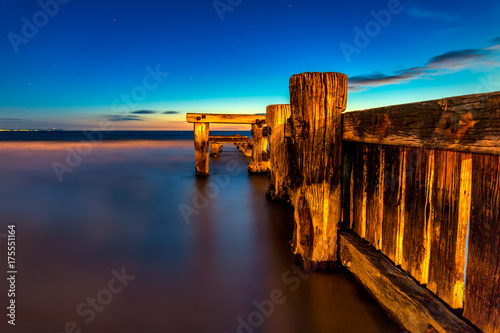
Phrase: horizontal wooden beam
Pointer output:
(228, 138)
(214, 118)
(411, 305)
(468, 123)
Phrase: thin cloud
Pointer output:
(143, 112)
(456, 58)
(124, 118)
(171, 112)
(446, 63)
(15, 119)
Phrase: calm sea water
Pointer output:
(127, 239)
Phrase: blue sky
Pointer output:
(144, 64)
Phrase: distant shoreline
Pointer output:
(104, 136)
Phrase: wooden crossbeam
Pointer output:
(228, 139)
(214, 118)
(468, 123)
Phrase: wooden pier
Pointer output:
(217, 141)
(407, 197)
(201, 121)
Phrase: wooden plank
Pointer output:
(468, 123)
(394, 198)
(219, 118)
(349, 151)
(451, 210)
(317, 101)
(360, 188)
(279, 151)
(482, 292)
(201, 148)
(409, 304)
(374, 194)
(418, 213)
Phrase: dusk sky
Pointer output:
(145, 64)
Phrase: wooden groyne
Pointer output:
(407, 197)
(216, 142)
(202, 121)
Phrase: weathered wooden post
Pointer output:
(277, 116)
(247, 150)
(317, 101)
(215, 149)
(260, 162)
(201, 133)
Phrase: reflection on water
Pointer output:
(208, 255)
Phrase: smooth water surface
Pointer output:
(199, 255)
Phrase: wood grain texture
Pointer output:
(394, 197)
(482, 293)
(279, 151)
(260, 160)
(418, 213)
(375, 166)
(349, 152)
(220, 118)
(468, 123)
(359, 171)
(316, 102)
(451, 210)
(412, 306)
(201, 148)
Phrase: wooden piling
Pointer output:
(277, 116)
(259, 163)
(201, 145)
(316, 101)
(247, 150)
(215, 149)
